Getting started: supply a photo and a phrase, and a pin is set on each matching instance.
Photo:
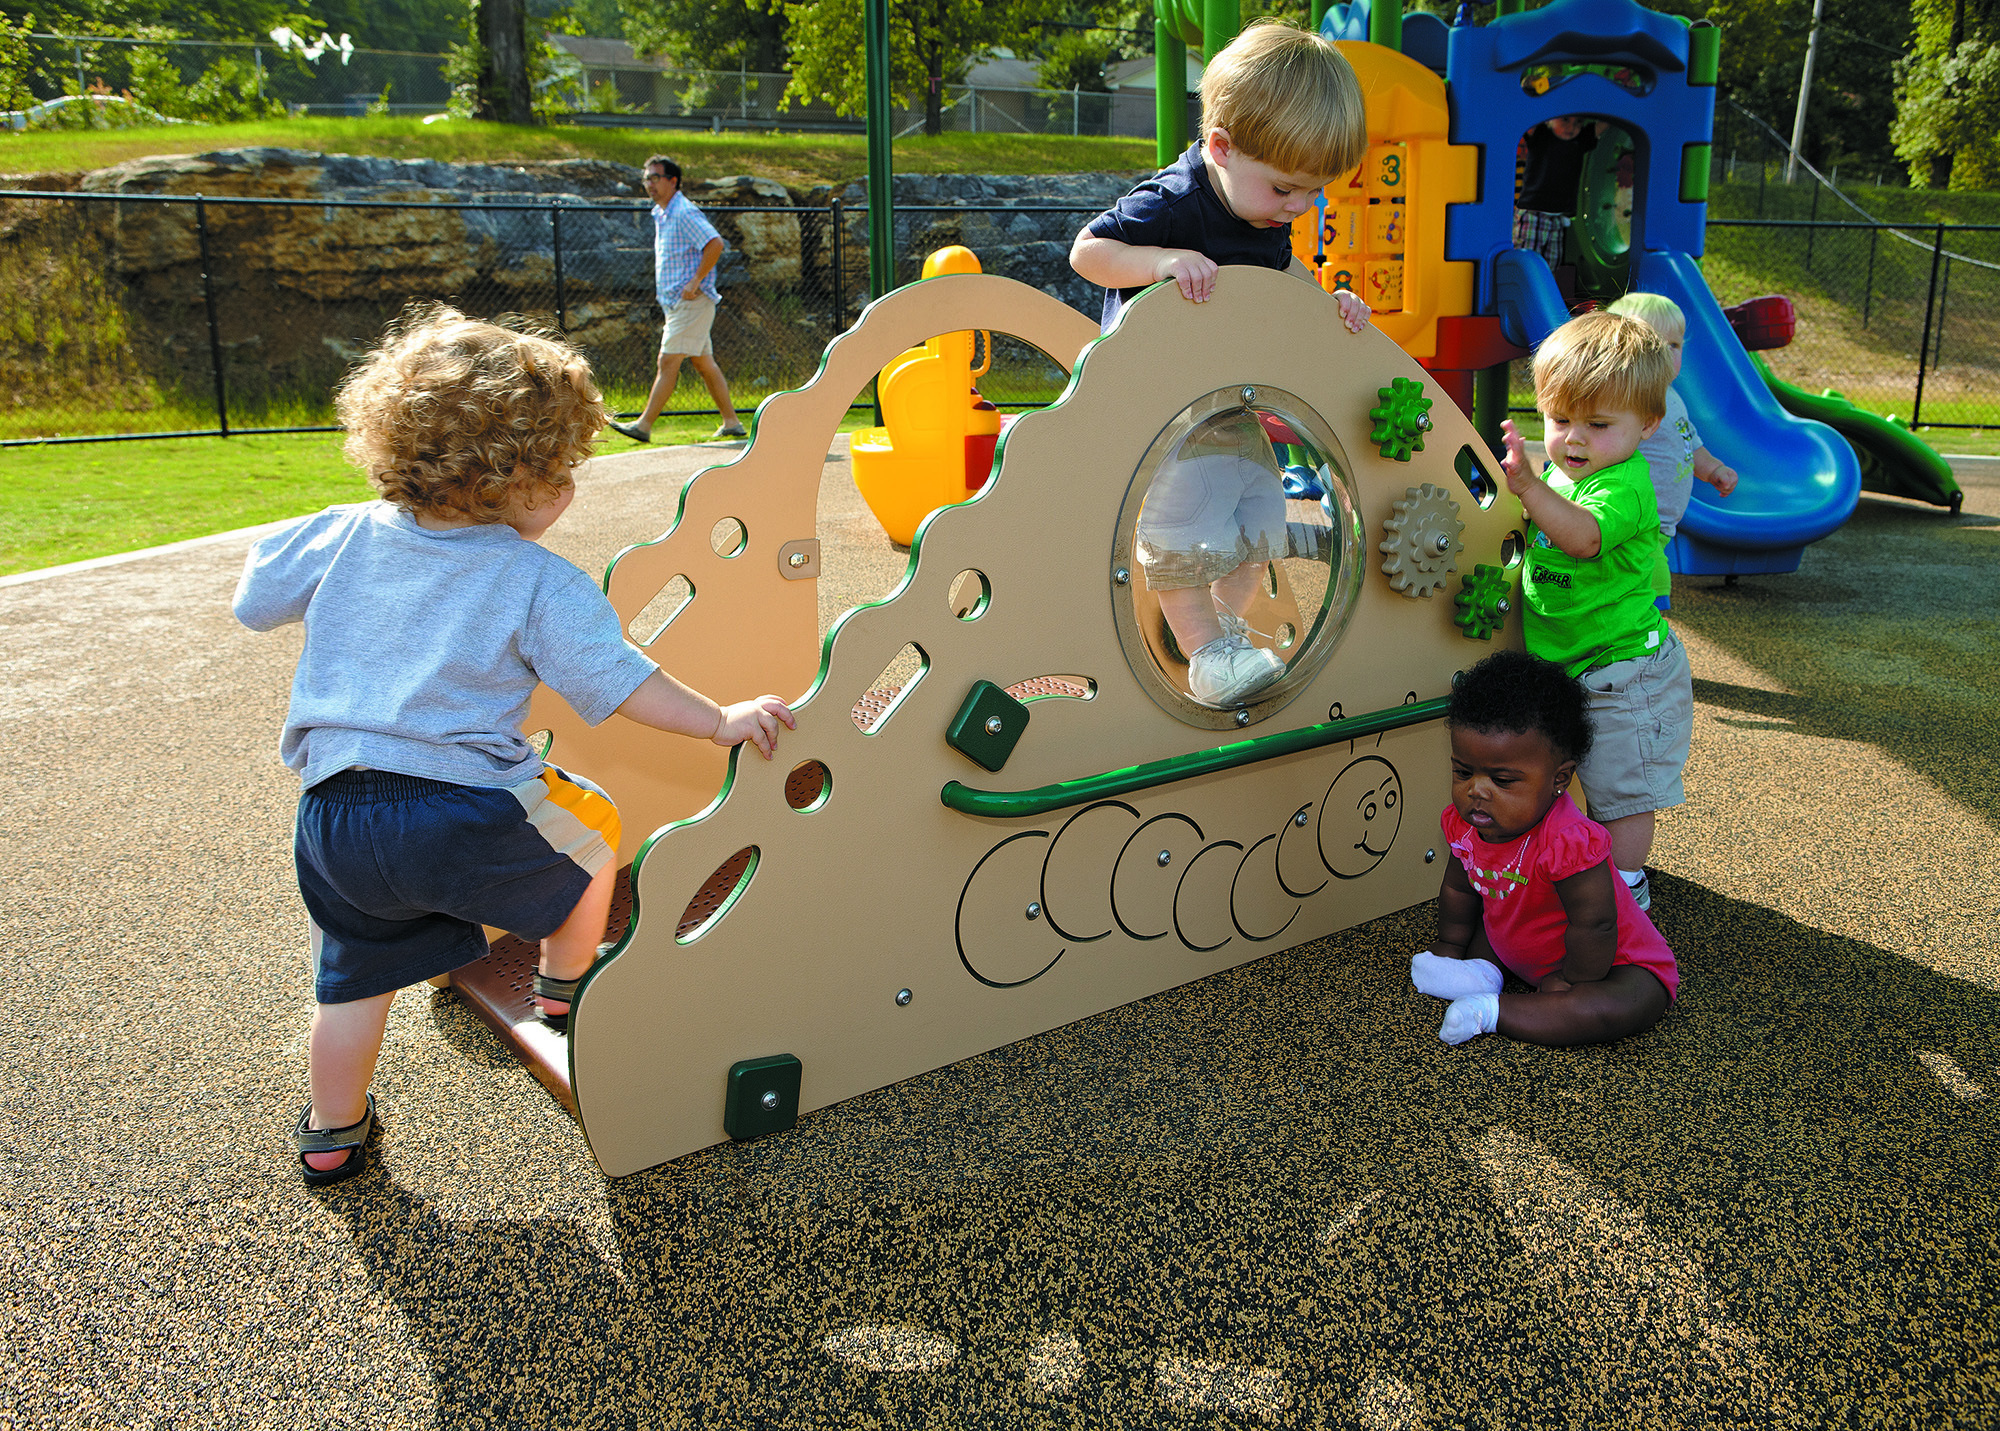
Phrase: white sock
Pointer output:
(1632, 877)
(1470, 1017)
(1444, 978)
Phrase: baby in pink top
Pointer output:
(1530, 888)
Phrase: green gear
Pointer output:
(1401, 420)
(1483, 602)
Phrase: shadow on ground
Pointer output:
(1274, 1196)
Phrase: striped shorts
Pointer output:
(399, 873)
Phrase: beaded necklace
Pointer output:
(1503, 881)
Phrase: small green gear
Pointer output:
(1483, 602)
(1401, 419)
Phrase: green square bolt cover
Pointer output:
(763, 1096)
(987, 726)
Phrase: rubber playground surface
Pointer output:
(1271, 1198)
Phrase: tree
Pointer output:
(711, 34)
(501, 32)
(1853, 99)
(1947, 125)
(931, 44)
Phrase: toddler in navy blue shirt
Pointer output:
(1282, 117)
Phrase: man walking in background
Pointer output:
(686, 249)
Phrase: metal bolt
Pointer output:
(1503, 606)
(797, 558)
(1423, 422)
(903, 998)
(1034, 910)
(770, 1101)
(994, 725)
(1300, 819)
(1429, 856)
(1249, 396)
(1243, 717)
(1166, 858)
(1442, 543)
(1122, 576)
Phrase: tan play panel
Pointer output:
(858, 922)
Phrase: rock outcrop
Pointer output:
(301, 287)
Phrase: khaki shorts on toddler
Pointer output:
(1642, 713)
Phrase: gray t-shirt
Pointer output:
(1669, 455)
(422, 647)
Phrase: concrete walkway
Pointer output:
(1270, 1198)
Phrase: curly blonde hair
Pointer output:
(454, 417)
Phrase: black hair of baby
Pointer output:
(1513, 691)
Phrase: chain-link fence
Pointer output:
(129, 315)
(126, 314)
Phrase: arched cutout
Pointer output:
(971, 593)
(658, 614)
(728, 537)
(1481, 484)
(809, 786)
(889, 690)
(717, 895)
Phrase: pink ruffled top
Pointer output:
(1524, 916)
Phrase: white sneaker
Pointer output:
(1229, 669)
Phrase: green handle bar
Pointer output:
(1022, 804)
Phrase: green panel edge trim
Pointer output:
(1025, 804)
(1694, 173)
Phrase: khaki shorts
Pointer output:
(1642, 711)
(688, 323)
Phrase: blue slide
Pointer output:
(1799, 479)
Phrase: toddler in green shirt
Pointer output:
(1593, 538)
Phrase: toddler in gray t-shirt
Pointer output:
(1674, 454)
(430, 617)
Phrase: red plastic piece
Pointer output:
(1279, 431)
(1766, 322)
(1472, 341)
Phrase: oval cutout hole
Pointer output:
(1053, 688)
(808, 786)
(971, 593)
(1511, 547)
(541, 742)
(1287, 636)
(890, 689)
(1270, 579)
(729, 537)
(658, 614)
(1480, 483)
(717, 895)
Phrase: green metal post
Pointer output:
(881, 210)
(1220, 20)
(1318, 13)
(1489, 403)
(1169, 93)
(1385, 24)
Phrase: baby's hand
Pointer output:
(1722, 479)
(1515, 460)
(1194, 272)
(755, 721)
(1353, 311)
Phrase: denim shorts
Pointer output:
(1642, 713)
(399, 874)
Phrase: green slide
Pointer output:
(1893, 459)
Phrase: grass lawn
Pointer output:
(75, 501)
(797, 160)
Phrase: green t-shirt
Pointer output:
(1591, 611)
